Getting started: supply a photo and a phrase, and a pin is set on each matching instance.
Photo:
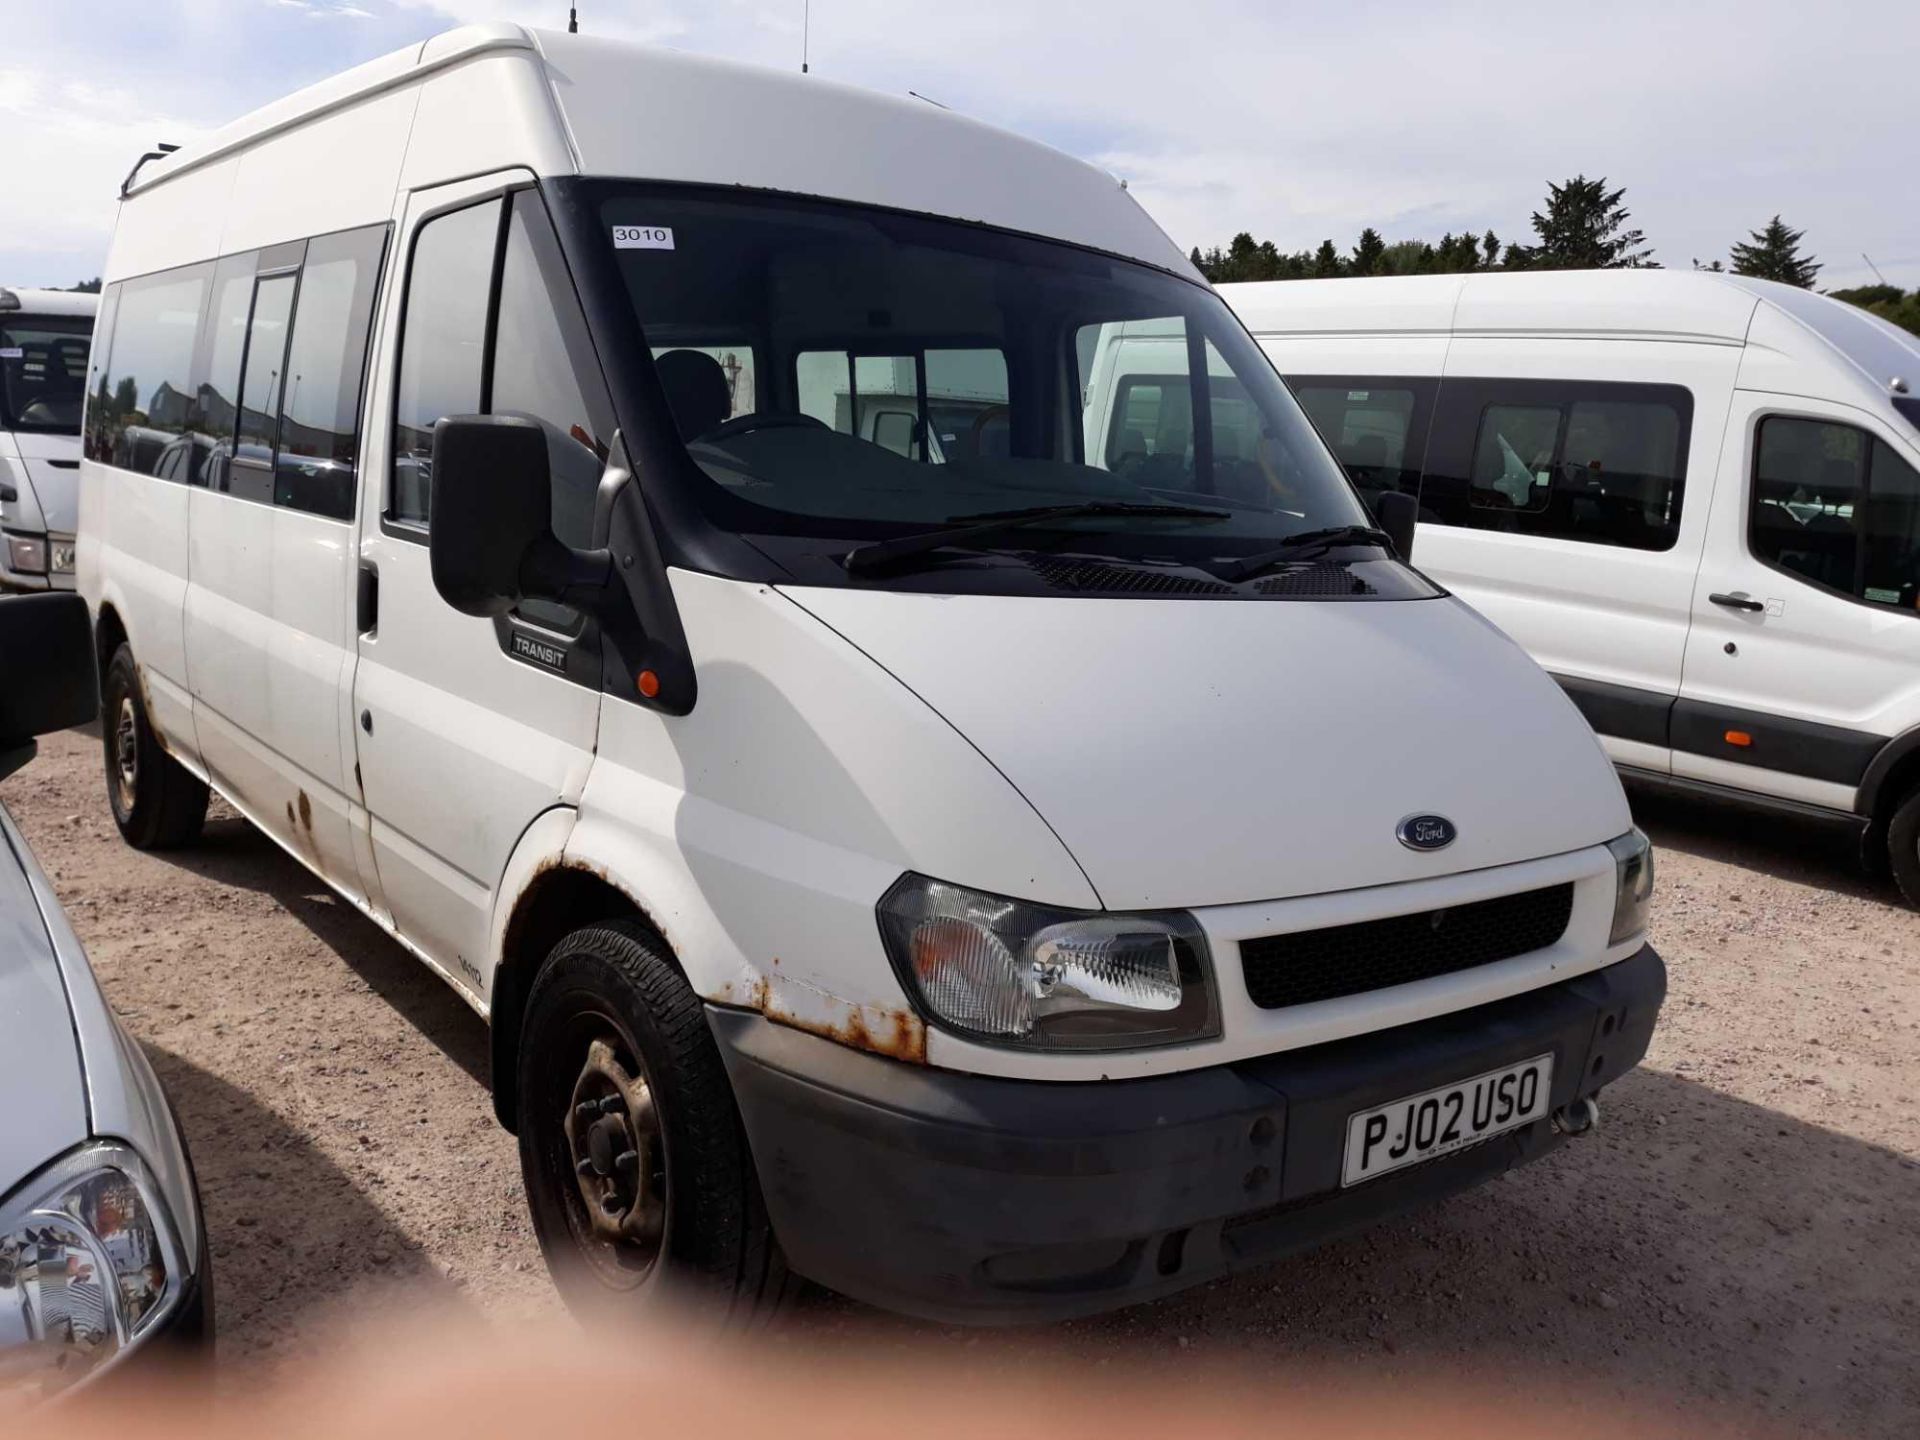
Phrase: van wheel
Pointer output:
(636, 1165)
(1903, 847)
(157, 802)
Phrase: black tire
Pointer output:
(157, 803)
(613, 984)
(1903, 847)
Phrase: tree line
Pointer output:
(1584, 225)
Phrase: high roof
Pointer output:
(605, 107)
(46, 302)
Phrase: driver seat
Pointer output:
(697, 390)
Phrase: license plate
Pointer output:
(1452, 1117)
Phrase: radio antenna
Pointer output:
(1873, 267)
(806, 27)
(573, 20)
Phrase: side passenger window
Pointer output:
(250, 472)
(442, 345)
(326, 366)
(1371, 428)
(1598, 463)
(1837, 507)
(142, 400)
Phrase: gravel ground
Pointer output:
(1743, 1231)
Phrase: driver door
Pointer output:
(468, 729)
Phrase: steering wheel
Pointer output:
(762, 420)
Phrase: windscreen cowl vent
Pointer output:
(1065, 572)
(1328, 580)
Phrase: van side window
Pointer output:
(1837, 507)
(250, 471)
(145, 395)
(1589, 461)
(326, 364)
(443, 344)
(1376, 430)
(216, 401)
(96, 441)
(544, 368)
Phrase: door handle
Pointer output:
(1737, 602)
(366, 600)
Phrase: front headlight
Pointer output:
(1633, 884)
(1012, 973)
(89, 1265)
(26, 556)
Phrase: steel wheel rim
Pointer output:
(613, 1143)
(126, 755)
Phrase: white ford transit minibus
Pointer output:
(44, 335)
(963, 871)
(1694, 498)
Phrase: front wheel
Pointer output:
(157, 802)
(635, 1162)
(1903, 847)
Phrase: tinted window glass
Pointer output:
(442, 345)
(96, 435)
(43, 372)
(967, 404)
(145, 397)
(326, 362)
(1835, 506)
(224, 345)
(1599, 463)
(250, 472)
(1371, 429)
(541, 354)
(814, 282)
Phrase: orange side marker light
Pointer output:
(648, 684)
(1740, 738)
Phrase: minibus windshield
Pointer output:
(865, 374)
(43, 372)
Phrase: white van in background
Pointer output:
(994, 888)
(1694, 498)
(44, 338)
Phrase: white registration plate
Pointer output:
(1438, 1122)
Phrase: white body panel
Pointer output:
(839, 739)
(1643, 619)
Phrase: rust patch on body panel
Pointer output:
(895, 1034)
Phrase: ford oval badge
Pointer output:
(1426, 832)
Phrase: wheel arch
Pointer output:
(546, 892)
(1891, 775)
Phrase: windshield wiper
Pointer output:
(967, 529)
(1305, 546)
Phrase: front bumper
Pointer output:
(964, 1198)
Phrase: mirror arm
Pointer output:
(552, 570)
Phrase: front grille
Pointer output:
(1312, 965)
(1066, 573)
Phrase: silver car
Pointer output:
(103, 1253)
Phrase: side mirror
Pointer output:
(47, 675)
(492, 503)
(1395, 512)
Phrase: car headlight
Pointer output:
(1633, 884)
(1012, 973)
(89, 1264)
(26, 555)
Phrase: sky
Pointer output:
(1295, 121)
